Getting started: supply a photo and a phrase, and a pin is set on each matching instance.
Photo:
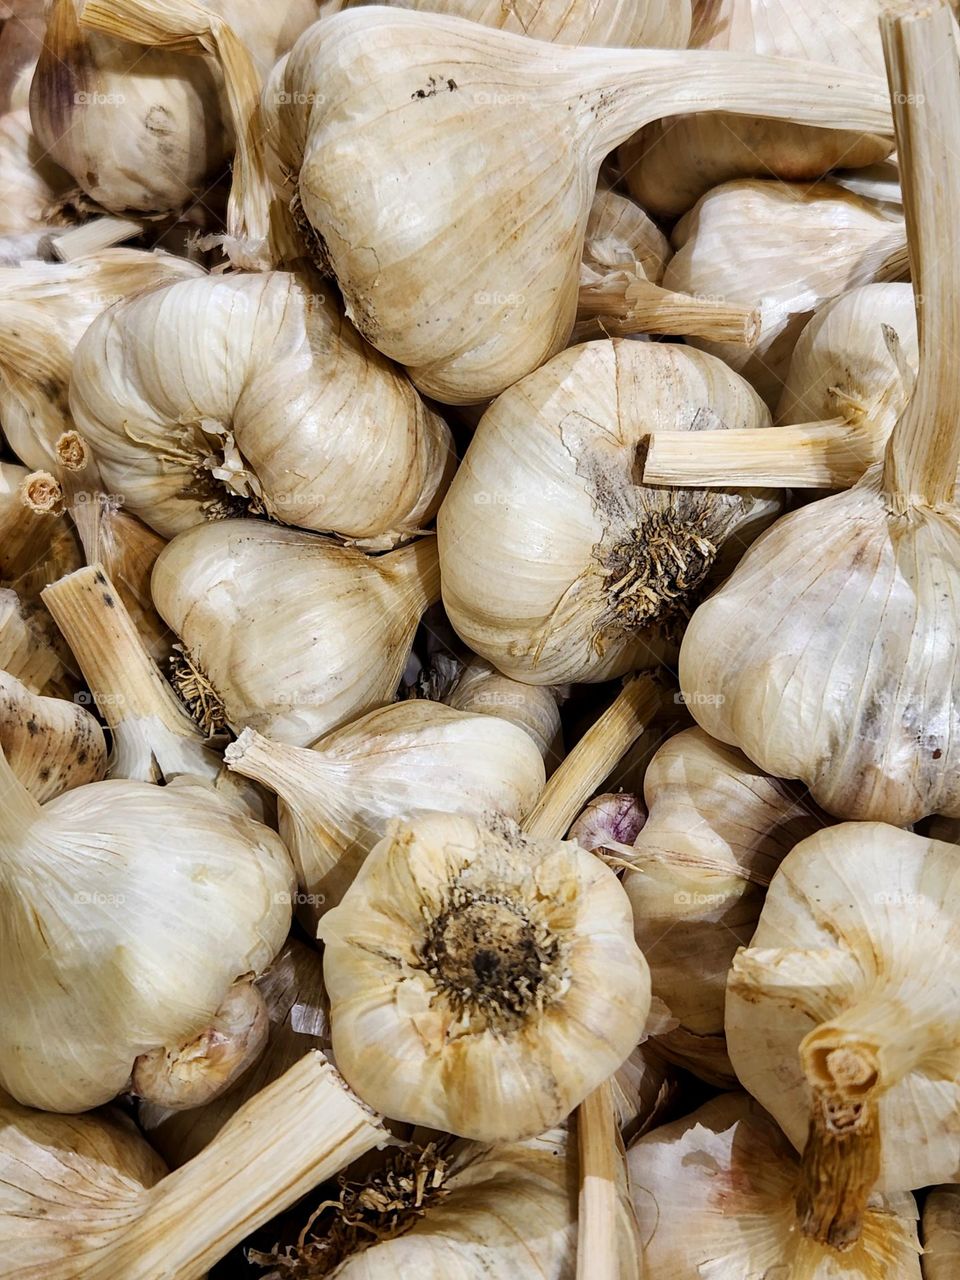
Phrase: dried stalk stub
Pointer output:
(556, 564)
(481, 981)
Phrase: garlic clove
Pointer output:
(480, 688)
(940, 1232)
(295, 634)
(616, 817)
(52, 745)
(254, 391)
(338, 796)
(28, 651)
(836, 1023)
(448, 92)
(556, 565)
(481, 981)
(713, 1194)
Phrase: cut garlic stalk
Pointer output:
(52, 745)
(227, 392)
(28, 534)
(714, 1192)
(867, 715)
(84, 1197)
(337, 797)
(129, 912)
(292, 989)
(557, 566)
(446, 88)
(840, 1026)
(696, 879)
(292, 633)
(482, 689)
(940, 1231)
(787, 249)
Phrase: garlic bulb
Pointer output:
(941, 1233)
(838, 1024)
(788, 248)
(338, 796)
(714, 1192)
(27, 651)
(250, 390)
(21, 35)
(480, 688)
(44, 310)
(130, 911)
(623, 23)
(556, 565)
(698, 870)
(481, 981)
(670, 165)
(293, 634)
(292, 990)
(611, 819)
(84, 1197)
(51, 745)
(30, 182)
(448, 94)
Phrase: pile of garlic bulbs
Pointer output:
(479, 598)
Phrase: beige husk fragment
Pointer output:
(940, 1233)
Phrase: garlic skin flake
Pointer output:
(556, 565)
(226, 391)
(480, 981)
(713, 1195)
(51, 745)
(836, 1011)
(295, 633)
(338, 797)
(129, 912)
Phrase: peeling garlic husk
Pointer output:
(227, 392)
(669, 165)
(51, 745)
(697, 874)
(447, 91)
(44, 310)
(29, 180)
(556, 566)
(293, 633)
(713, 1194)
(292, 989)
(787, 248)
(481, 981)
(480, 688)
(644, 1089)
(838, 1024)
(940, 1232)
(338, 797)
(663, 24)
(175, 894)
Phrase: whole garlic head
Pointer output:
(556, 565)
(480, 981)
(295, 633)
(253, 390)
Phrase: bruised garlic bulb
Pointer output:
(51, 745)
(292, 990)
(557, 566)
(249, 390)
(481, 981)
(338, 796)
(29, 180)
(84, 1197)
(714, 1195)
(448, 92)
(482, 689)
(829, 655)
(663, 24)
(130, 911)
(839, 1024)
(669, 165)
(697, 875)
(44, 310)
(787, 248)
(291, 633)
(941, 1233)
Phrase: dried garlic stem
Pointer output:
(643, 307)
(42, 494)
(296, 1133)
(600, 1172)
(922, 455)
(591, 760)
(94, 236)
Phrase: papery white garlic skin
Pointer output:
(714, 1194)
(251, 389)
(296, 634)
(482, 689)
(29, 180)
(555, 563)
(440, 1014)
